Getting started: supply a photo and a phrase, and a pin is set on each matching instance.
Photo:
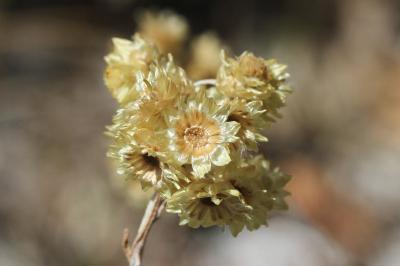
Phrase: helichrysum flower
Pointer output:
(254, 78)
(238, 195)
(127, 58)
(137, 158)
(200, 134)
(275, 181)
(160, 89)
(166, 30)
(140, 143)
(250, 117)
(205, 56)
(196, 146)
(207, 203)
(140, 153)
(139, 163)
(262, 187)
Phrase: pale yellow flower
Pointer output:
(261, 187)
(200, 134)
(138, 123)
(139, 147)
(254, 78)
(282, 89)
(252, 122)
(160, 89)
(156, 92)
(138, 129)
(275, 180)
(207, 203)
(166, 30)
(127, 58)
(251, 117)
(136, 163)
(196, 143)
(238, 195)
(139, 153)
(245, 77)
(205, 56)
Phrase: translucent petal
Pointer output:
(171, 133)
(122, 47)
(236, 228)
(260, 137)
(254, 105)
(233, 192)
(220, 156)
(229, 130)
(201, 166)
(181, 158)
(216, 201)
(250, 135)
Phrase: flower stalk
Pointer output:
(133, 252)
(209, 82)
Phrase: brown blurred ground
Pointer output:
(339, 136)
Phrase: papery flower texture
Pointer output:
(195, 144)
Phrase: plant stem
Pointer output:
(211, 82)
(134, 251)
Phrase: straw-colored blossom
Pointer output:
(205, 56)
(165, 29)
(196, 143)
(206, 203)
(254, 78)
(252, 123)
(239, 195)
(138, 131)
(127, 58)
(200, 134)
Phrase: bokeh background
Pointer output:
(339, 138)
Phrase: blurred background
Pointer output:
(60, 203)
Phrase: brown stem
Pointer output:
(134, 252)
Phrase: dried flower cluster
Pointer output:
(197, 144)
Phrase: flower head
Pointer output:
(206, 203)
(205, 59)
(252, 122)
(160, 88)
(238, 195)
(200, 134)
(139, 148)
(253, 78)
(140, 154)
(166, 30)
(275, 180)
(136, 157)
(260, 188)
(196, 147)
(127, 58)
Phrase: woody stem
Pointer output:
(133, 252)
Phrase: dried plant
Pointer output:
(195, 143)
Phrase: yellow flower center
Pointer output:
(252, 66)
(196, 136)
